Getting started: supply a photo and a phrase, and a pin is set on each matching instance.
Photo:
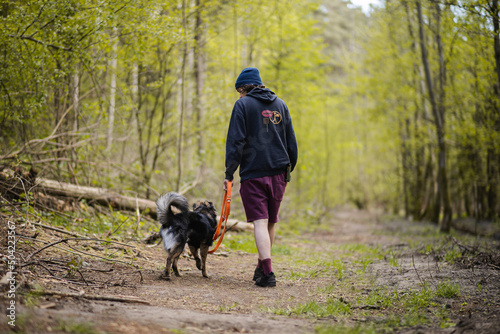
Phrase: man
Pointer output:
(261, 141)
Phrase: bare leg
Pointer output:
(271, 229)
(263, 238)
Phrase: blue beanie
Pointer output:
(249, 76)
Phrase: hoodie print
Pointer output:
(271, 116)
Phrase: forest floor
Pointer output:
(357, 272)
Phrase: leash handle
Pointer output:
(226, 209)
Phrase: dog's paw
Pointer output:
(206, 275)
(198, 263)
(165, 276)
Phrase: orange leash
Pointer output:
(224, 214)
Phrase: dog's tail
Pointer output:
(164, 206)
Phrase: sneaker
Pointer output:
(258, 273)
(266, 280)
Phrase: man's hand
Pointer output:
(226, 181)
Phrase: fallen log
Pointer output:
(238, 226)
(108, 197)
(481, 228)
(16, 183)
(99, 195)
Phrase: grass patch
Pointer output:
(76, 328)
(395, 309)
(343, 329)
(452, 255)
(281, 250)
(331, 307)
(416, 299)
(32, 297)
(363, 263)
(296, 274)
(448, 290)
(339, 267)
(243, 242)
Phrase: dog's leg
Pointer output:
(194, 251)
(178, 252)
(204, 253)
(168, 266)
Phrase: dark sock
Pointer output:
(266, 266)
(259, 264)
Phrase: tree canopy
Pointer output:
(397, 109)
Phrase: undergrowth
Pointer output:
(84, 219)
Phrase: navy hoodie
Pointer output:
(260, 137)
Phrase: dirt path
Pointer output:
(228, 302)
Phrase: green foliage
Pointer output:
(354, 85)
(73, 266)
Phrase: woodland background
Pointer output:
(395, 109)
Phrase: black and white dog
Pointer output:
(180, 226)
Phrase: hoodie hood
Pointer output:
(264, 95)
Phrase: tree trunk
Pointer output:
(76, 97)
(405, 162)
(183, 100)
(417, 186)
(493, 150)
(495, 10)
(445, 223)
(438, 109)
(199, 107)
(430, 90)
(112, 91)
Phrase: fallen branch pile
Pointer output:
(472, 256)
(15, 184)
(49, 193)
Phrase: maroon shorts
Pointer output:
(262, 197)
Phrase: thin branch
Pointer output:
(35, 20)
(29, 38)
(418, 275)
(37, 264)
(124, 299)
(57, 230)
(81, 239)
(76, 251)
